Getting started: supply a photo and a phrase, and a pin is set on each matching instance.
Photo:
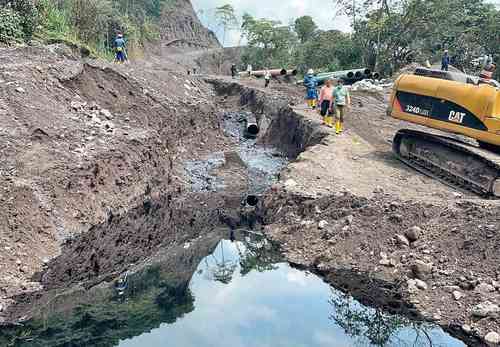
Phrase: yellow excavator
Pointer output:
(457, 104)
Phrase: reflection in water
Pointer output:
(240, 295)
(372, 327)
(246, 297)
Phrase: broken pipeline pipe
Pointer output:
(376, 76)
(251, 126)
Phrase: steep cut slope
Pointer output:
(181, 27)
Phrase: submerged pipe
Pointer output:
(251, 126)
(252, 200)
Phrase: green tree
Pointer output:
(226, 18)
(305, 28)
(269, 42)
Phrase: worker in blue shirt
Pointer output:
(121, 55)
(445, 61)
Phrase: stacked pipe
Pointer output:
(349, 76)
(273, 72)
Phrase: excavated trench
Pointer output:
(141, 273)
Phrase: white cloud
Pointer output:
(323, 13)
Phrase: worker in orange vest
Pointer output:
(488, 71)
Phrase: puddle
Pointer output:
(216, 293)
(240, 300)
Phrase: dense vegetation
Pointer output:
(386, 36)
(93, 23)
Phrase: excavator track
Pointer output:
(452, 162)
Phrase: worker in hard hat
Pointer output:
(119, 44)
(325, 103)
(341, 101)
(267, 77)
(311, 83)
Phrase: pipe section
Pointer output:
(251, 126)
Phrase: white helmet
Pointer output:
(310, 72)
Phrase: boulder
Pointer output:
(492, 338)
(322, 224)
(421, 270)
(413, 234)
(402, 240)
(457, 295)
(485, 309)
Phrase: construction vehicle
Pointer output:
(464, 107)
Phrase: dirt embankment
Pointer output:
(82, 143)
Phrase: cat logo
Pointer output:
(456, 117)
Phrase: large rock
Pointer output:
(492, 338)
(402, 241)
(421, 270)
(485, 309)
(484, 288)
(413, 234)
(457, 295)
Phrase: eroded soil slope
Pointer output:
(83, 141)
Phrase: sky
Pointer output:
(322, 11)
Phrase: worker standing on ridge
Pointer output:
(233, 71)
(341, 101)
(120, 49)
(325, 103)
(249, 69)
(487, 72)
(311, 83)
(267, 77)
(445, 61)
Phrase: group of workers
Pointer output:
(333, 101)
(486, 74)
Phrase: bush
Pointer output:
(29, 16)
(11, 28)
(54, 20)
